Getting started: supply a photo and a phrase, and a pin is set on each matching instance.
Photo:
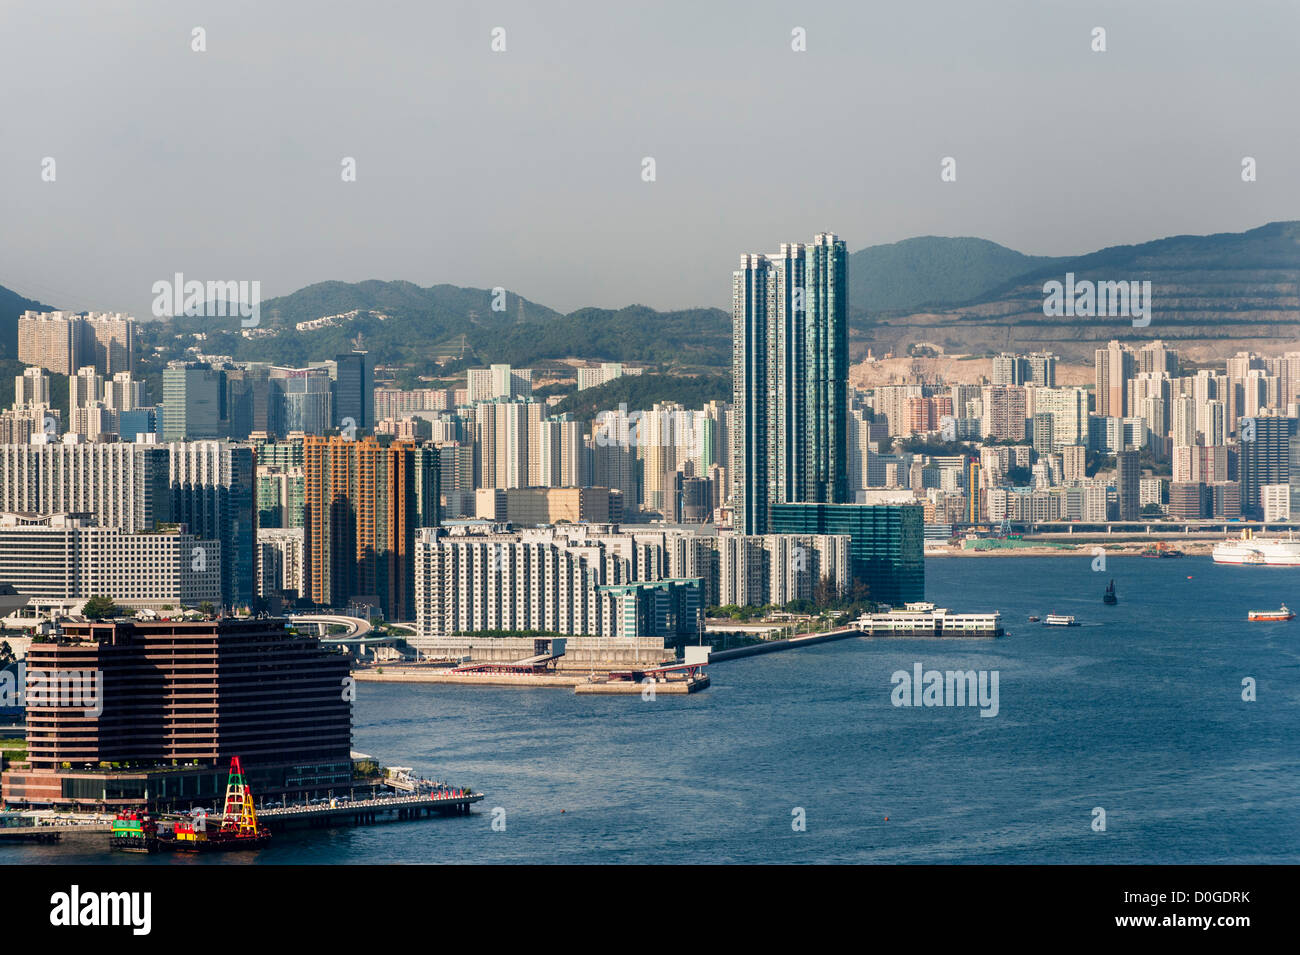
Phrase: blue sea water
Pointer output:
(1139, 712)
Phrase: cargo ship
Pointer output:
(1252, 550)
(921, 619)
(1261, 616)
(134, 832)
(238, 828)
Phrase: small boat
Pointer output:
(1059, 620)
(134, 832)
(1033, 619)
(1261, 616)
(1109, 596)
(239, 828)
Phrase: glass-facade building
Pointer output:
(886, 542)
(193, 400)
(302, 400)
(789, 379)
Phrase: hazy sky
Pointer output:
(523, 168)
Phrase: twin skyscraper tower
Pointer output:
(790, 368)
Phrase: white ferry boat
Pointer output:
(1059, 620)
(921, 619)
(1261, 616)
(1249, 549)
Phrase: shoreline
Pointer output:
(1083, 549)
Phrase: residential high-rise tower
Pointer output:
(790, 379)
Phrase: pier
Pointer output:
(337, 812)
(786, 643)
(364, 812)
(36, 833)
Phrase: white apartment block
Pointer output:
(63, 342)
(506, 457)
(561, 453)
(1151, 491)
(498, 381)
(63, 557)
(396, 403)
(604, 373)
(761, 569)
(463, 586)
(1005, 408)
(121, 485)
(1276, 499)
(280, 560)
(1069, 410)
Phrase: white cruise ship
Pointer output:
(920, 619)
(1249, 549)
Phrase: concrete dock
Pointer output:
(628, 687)
(445, 675)
(789, 643)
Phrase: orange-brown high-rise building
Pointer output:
(359, 523)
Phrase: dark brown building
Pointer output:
(124, 713)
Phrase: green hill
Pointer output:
(402, 323)
(930, 270)
(965, 294)
(1222, 293)
(644, 391)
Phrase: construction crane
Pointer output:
(239, 818)
(238, 830)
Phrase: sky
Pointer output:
(523, 168)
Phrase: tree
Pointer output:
(825, 593)
(99, 607)
(1019, 477)
(207, 609)
(6, 653)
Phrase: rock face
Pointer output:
(1211, 295)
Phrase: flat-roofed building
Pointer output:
(175, 700)
(537, 506)
(886, 542)
(63, 558)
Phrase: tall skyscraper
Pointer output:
(790, 379)
(505, 429)
(1265, 459)
(354, 395)
(360, 518)
(301, 399)
(214, 493)
(248, 400)
(1114, 368)
(826, 382)
(32, 389)
(1128, 476)
(193, 401)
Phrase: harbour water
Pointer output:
(1139, 712)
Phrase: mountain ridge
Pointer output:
(963, 293)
